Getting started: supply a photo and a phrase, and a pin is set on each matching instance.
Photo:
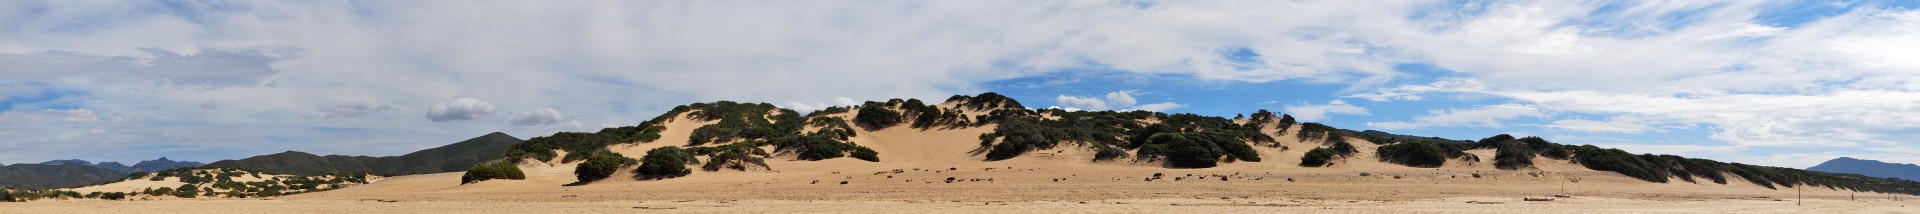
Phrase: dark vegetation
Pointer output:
(987, 100)
(47, 176)
(1424, 153)
(449, 158)
(493, 170)
(876, 116)
(665, 162)
(1196, 149)
(733, 142)
(1180, 140)
(1317, 157)
(742, 121)
(203, 182)
(580, 145)
(600, 166)
(738, 157)
(1516, 153)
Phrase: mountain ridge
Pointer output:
(446, 158)
(1873, 168)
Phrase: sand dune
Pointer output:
(936, 170)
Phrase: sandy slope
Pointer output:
(916, 165)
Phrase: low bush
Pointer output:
(1511, 155)
(867, 154)
(493, 170)
(1615, 160)
(600, 166)
(737, 158)
(1422, 154)
(665, 162)
(876, 116)
(1317, 157)
(1196, 149)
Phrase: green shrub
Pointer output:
(735, 158)
(1108, 152)
(1317, 131)
(600, 166)
(1547, 149)
(1513, 155)
(987, 100)
(864, 153)
(1317, 157)
(876, 116)
(1416, 154)
(493, 170)
(812, 147)
(665, 162)
(1615, 160)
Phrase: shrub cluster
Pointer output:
(737, 157)
(1425, 154)
(493, 170)
(665, 162)
(987, 100)
(1514, 153)
(202, 182)
(876, 116)
(600, 166)
(867, 154)
(1317, 157)
(1182, 140)
(1196, 149)
(1317, 131)
(1021, 134)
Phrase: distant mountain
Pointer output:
(161, 164)
(450, 158)
(1870, 168)
(44, 176)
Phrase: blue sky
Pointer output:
(1784, 83)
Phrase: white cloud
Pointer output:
(1416, 92)
(460, 109)
(1073, 103)
(1308, 112)
(355, 107)
(1117, 100)
(1484, 116)
(1121, 98)
(1159, 107)
(1829, 119)
(81, 115)
(542, 116)
(845, 101)
(1627, 125)
(212, 67)
(620, 62)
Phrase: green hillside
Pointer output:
(450, 158)
(44, 176)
